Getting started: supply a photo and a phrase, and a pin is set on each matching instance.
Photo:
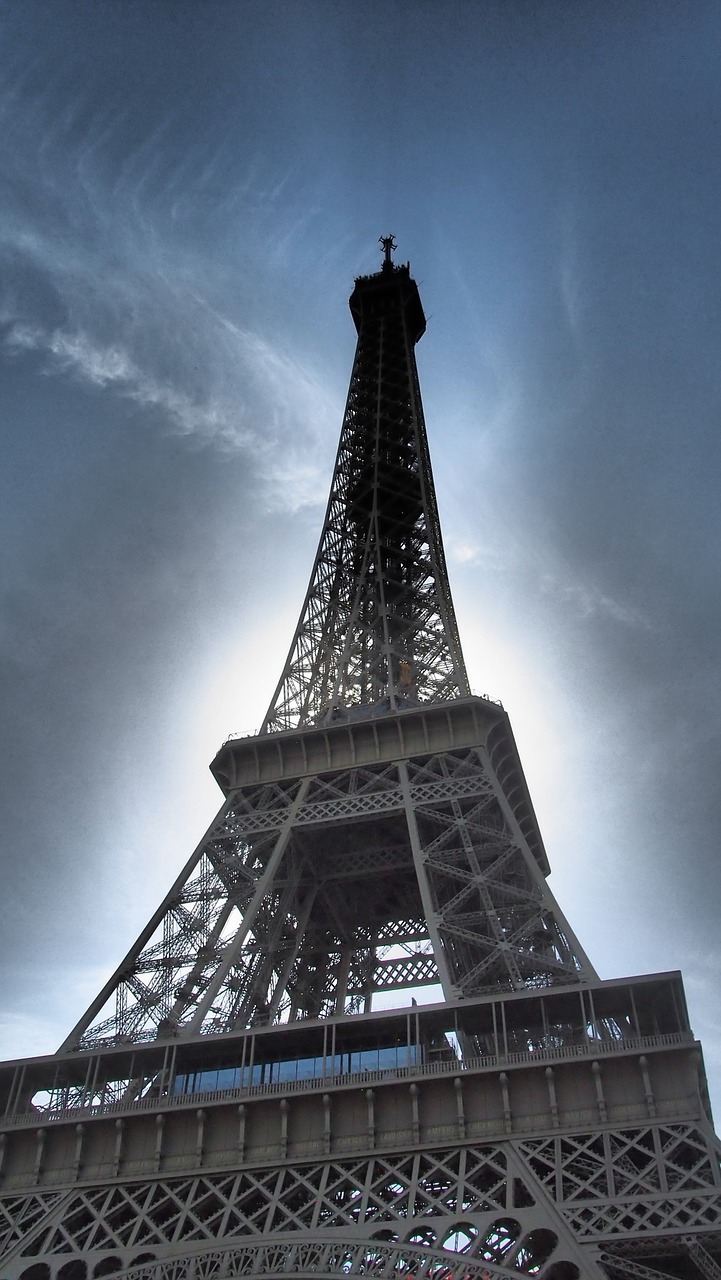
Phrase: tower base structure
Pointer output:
(367, 1145)
(537, 1121)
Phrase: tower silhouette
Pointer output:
(359, 1036)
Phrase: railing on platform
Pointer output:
(322, 1083)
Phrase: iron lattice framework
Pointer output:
(377, 622)
(240, 1101)
(314, 894)
(389, 1216)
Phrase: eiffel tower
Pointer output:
(359, 1036)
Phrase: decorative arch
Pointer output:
(336, 1259)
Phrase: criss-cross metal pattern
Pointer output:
(316, 894)
(635, 1202)
(376, 845)
(314, 897)
(377, 622)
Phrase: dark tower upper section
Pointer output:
(385, 291)
(377, 630)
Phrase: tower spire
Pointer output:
(377, 629)
(388, 244)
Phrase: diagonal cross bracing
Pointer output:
(378, 620)
(288, 907)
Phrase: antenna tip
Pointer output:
(388, 244)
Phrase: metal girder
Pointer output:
(291, 898)
(465, 1208)
(378, 619)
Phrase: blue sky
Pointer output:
(188, 191)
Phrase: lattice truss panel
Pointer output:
(311, 897)
(640, 1201)
(465, 1201)
(378, 619)
(635, 1180)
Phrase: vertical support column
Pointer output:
(650, 1100)
(159, 1128)
(558, 1153)
(200, 1135)
(600, 1098)
(40, 1137)
(551, 1082)
(284, 1107)
(415, 1119)
(342, 979)
(370, 1102)
(507, 1119)
(118, 1152)
(16, 1091)
(450, 990)
(77, 1159)
(608, 1157)
(460, 1109)
(241, 1133)
(326, 1124)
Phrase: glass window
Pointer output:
(285, 1070)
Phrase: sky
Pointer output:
(188, 190)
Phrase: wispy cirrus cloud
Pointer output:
(266, 405)
(89, 292)
(232, 390)
(588, 600)
(585, 599)
(77, 354)
(221, 420)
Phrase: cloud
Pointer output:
(584, 598)
(287, 403)
(34, 1033)
(589, 601)
(468, 553)
(112, 367)
(94, 290)
(244, 394)
(573, 288)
